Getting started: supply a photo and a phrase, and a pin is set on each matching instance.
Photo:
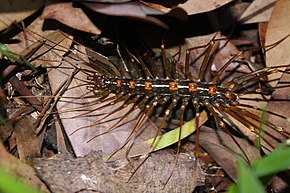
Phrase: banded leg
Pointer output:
(117, 98)
(220, 124)
(164, 61)
(251, 126)
(149, 107)
(112, 128)
(183, 106)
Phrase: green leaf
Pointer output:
(276, 161)
(10, 184)
(233, 189)
(172, 137)
(4, 51)
(248, 180)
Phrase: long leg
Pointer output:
(252, 127)
(142, 102)
(183, 106)
(141, 118)
(220, 124)
(118, 98)
(259, 119)
(164, 61)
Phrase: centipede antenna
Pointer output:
(268, 47)
(164, 61)
(102, 70)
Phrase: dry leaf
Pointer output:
(28, 145)
(134, 10)
(218, 143)
(176, 12)
(278, 28)
(29, 37)
(197, 6)
(258, 11)
(17, 10)
(281, 107)
(70, 16)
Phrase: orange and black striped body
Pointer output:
(199, 91)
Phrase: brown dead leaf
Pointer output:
(28, 145)
(277, 28)
(197, 6)
(224, 150)
(70, 16)
(29, 37)
(258, 11)
(176, 12)
(17, 10)
(57, 44)
(133, 9)
(281, 107)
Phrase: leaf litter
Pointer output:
(79, 139)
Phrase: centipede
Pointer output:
(147, 89)
(130, 89)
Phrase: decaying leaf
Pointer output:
(16, 10)
(197, 6)
(258, 11)
(28, 145)
(277, 29)
(133, 9)
(218, 143)
(76, 20)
